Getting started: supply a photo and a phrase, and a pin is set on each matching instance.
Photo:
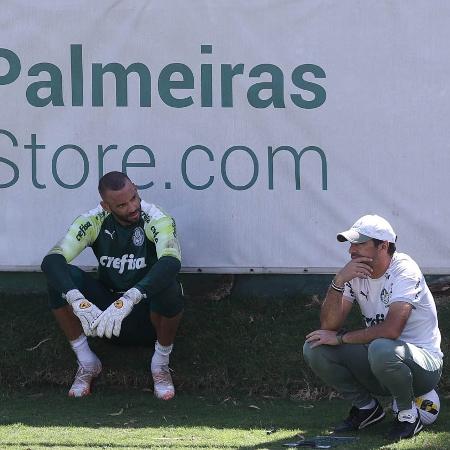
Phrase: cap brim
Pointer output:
(353, 236)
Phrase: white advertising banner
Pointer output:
(263, 127)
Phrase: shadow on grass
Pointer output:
(224, 346)
(271, 422)
(238, 367)
(230, 347)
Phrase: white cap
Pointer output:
(366, 228)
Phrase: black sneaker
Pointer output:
(403, 429)
(361, 418)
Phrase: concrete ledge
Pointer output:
(199, 285)
(218, 286)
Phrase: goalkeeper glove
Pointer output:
(85, 310)
(110, 321)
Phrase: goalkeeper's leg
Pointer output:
(166, 313)
(89, 366)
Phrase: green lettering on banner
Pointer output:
(101, 155)
(319, 92)
(126, 164)
(276, 86)
(85, 166)
(33, 147)
(166, 84)
(9, 163)
(76, 74)
(184, 164)
(173, 77)
(297, 157)
(121, 77)
(227, 72)
(54, 84)
(223, 168)
(14, 66)
(206, 78)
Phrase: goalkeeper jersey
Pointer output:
(124, 254)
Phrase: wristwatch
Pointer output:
(340, 335)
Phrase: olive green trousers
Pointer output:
(385, 367)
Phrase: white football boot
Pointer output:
(82, 383)
(163, 385)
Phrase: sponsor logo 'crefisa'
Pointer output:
(155, 233)
(127, 261)
(82, 230)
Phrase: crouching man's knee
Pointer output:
(381, 353)
(314, 357)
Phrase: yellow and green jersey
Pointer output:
(125, 254)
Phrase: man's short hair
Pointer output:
(112, 181)
(391, 248)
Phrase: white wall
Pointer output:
(377, 114)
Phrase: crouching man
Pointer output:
(136, 294)
(398, 353)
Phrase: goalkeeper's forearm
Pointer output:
(162, 274)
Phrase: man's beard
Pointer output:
(127, 219)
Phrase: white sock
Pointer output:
(408, 415)
(369, 405)
(161, 355)
(85, 356)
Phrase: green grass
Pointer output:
(132, 419)
(238, 371)
(245, 346)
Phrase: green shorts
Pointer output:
(137, 328)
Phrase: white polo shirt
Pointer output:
(402, 282)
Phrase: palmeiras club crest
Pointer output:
(385, 296)
(138, 236)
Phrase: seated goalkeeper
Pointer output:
(136, 293)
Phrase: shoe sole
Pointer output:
(165, 397)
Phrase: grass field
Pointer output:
(237, 368)
(132, 419)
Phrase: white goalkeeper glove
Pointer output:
(85, 310)
(110, 321)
